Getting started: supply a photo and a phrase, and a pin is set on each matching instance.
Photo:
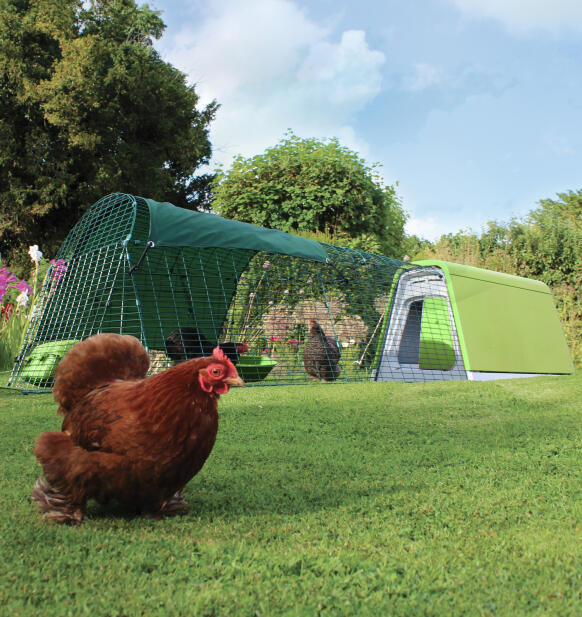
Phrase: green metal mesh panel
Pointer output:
(185, 288)
(109, 221)
(88, 293)
(277, 298)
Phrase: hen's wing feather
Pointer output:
(332, 349)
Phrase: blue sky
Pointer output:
(473, 106)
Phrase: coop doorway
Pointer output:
(421, 341)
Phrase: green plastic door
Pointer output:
(436, 338)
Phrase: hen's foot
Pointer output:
(170, 507)
(54, 505)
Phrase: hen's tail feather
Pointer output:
(54, 505)
(97, 361)
(73, 473)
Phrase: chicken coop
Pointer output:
(285, 309)
(452, 321)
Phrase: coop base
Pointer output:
(482, 376)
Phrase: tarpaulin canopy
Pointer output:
(171, 226)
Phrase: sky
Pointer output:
(473, 107)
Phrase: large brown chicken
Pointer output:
(125, 437)
(321, 355)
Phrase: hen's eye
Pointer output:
(216, 372)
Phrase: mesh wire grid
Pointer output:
(283, 319)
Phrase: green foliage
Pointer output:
(15, 321)
(87, 107)
(546, 246)
(11, 336)
(437, 499)
(568, 206)
(306, 185)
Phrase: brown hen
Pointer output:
(321, 355)
(125, 437)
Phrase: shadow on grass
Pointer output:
(280, 496)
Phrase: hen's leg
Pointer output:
(174, 504)
(55, 506)
(169, 508)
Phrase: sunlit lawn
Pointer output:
(364, 499)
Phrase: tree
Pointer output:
(87, 107)
(303, 185)
(568, 206)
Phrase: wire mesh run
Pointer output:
(281, 319)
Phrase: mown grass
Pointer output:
(365, 499)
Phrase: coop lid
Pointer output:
(486, 276)
(173, 226)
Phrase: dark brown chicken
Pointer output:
(125, 437)
(321, 355)
(188, 342)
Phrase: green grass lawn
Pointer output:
(438, 499)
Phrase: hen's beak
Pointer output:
(234, 381)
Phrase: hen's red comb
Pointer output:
(218, 354)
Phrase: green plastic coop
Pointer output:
(452, 321)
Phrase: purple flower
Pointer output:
(7, 280)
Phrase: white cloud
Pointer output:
(559, 145)
(523, 16)
(272, 68)
(424, 76)
(348, 71)
(427, 228)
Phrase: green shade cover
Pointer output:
(173, 227)
(436, 339)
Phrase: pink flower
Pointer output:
(266, 264)
(301, 292)
(23, 286)
(295, 343)
(275, 338)
(59, 267)
(7, 280)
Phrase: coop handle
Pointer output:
(149, 245)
